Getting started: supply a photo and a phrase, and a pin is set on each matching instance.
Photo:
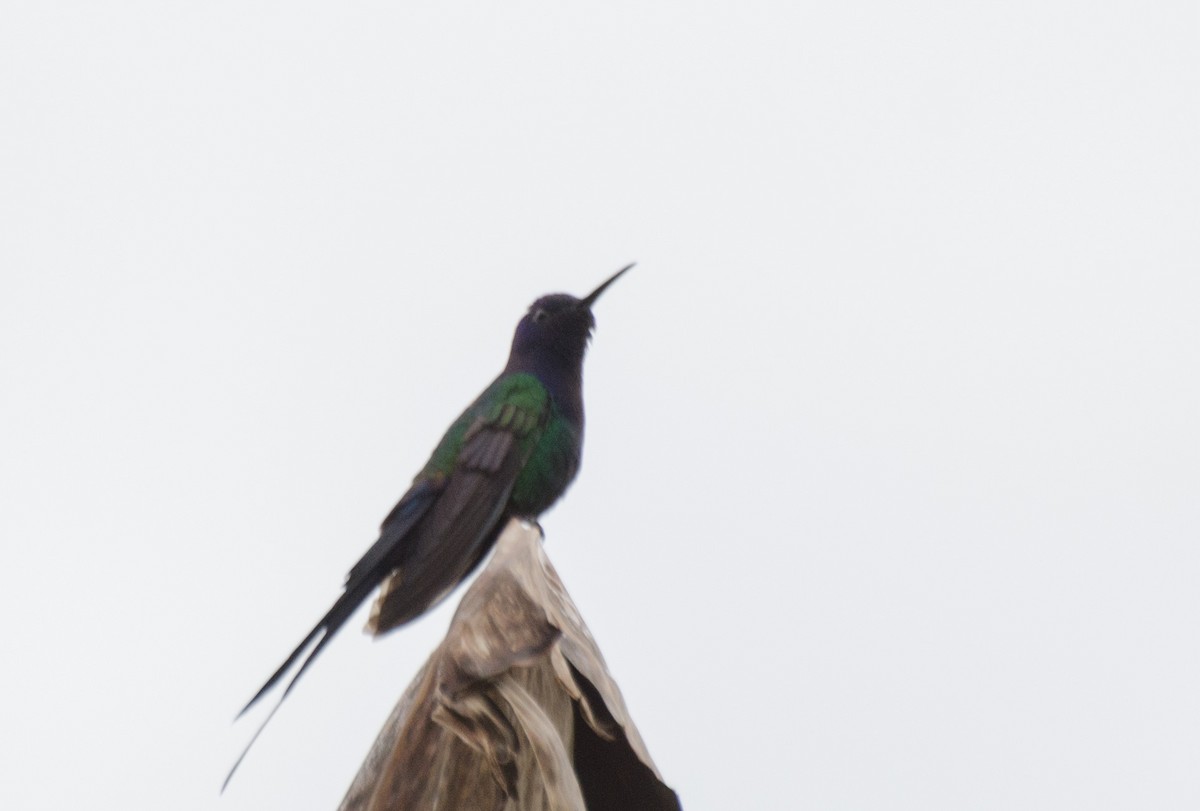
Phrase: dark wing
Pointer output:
(429, 543)
(459, 530)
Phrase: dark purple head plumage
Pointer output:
(552, 338)
(558, 326)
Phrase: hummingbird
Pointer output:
(511, 454)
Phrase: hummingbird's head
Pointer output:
(557, 327)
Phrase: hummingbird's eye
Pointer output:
(540, 315)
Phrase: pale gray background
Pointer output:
(890, 493)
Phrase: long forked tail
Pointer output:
(323, 632)
(374, 566)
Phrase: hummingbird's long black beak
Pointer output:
(590, 299)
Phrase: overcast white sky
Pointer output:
(890, 496)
